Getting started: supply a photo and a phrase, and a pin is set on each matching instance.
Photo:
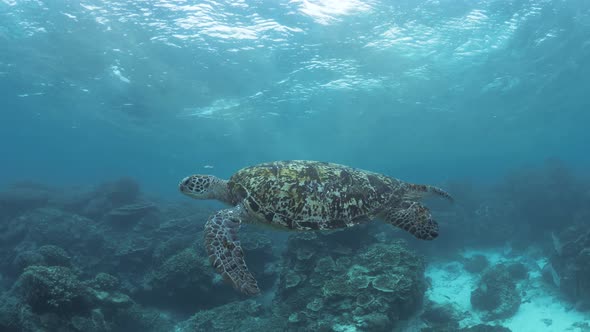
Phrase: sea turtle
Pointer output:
(302, 195)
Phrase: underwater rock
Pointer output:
(22, 197)
(94, 323)
(128, 215)
(374, 322)
(387, 283)
(106, 197)
(570, 271)
(54, 299)
(140, 318)
(104, 282)
(475, 328)
(181, 279)
(182, 270)
(9, 314)
(170, 246)
(112, 300)
(496, 294)
(118, 312)
(485, 328)
(370, 288)
(123, 191)
(27, 258)
(364, 300)
(54, 255)
(16, 316)
(48, 255)
(517, 271)
(292, 280)
(52, 289)
(62, 271)
(129, 318)
(352, 282)
(316, 304)
(441, 316)
(49, 226)
(550, 275)
(476, 263)
(34, 228)
(246, 316)
(265, 266)
(325, 265)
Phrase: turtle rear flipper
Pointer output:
(414, 218)
(225, 251)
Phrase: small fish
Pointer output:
(207, 166)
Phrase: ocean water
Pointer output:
(487, 99)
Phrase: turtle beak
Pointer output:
(182, 185)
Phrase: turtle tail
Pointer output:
(418, 191)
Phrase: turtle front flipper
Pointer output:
(414, 218)
(225, 251)
(419, 191)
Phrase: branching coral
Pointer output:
(53, 288)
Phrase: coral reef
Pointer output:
(53, 298)
(21, 197)
(247, 316)
(441, 317)
(446, 318)
(475, 328)
(371, 288)
(48, 236)
(108, 258)
(52, 288)
(476, 264)
(496, 294)
(569, 267)
(181, 282)
(128, 215)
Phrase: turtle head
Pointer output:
(204, 187)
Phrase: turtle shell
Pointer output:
(311, 195)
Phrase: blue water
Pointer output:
(429, 91)
(425, 90)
